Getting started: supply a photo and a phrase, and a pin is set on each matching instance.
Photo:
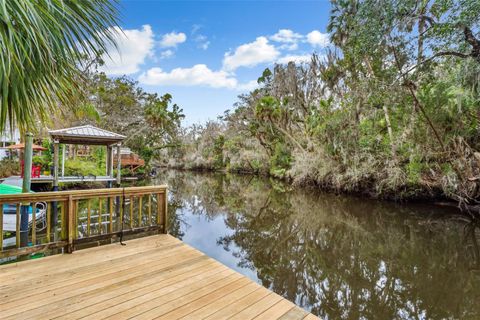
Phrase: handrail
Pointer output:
(80, 216)
(78, 194)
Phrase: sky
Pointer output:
(206, 53)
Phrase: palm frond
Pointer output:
(41, 45)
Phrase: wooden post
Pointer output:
(111, 162)
(63, 161)
(131, 212)
(49, 214)
(100, 215)
(165, 212)
(27, 176)
(70, 212)
(140, 203)
(162, 211)
(55, 165)
(119, 164)
(27, 161)
(109, 165)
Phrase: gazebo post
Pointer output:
(63, 160)
(119, 164)
(109, 165)
(55, 164)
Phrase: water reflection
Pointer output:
(339, 257)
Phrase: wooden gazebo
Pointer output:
(85, 135)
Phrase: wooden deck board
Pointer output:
(156, 277)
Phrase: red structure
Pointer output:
(36, 170)
(129, 160)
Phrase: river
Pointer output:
(339, 257)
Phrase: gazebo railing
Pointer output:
(66, 219)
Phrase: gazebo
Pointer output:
(86, 135)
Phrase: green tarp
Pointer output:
(8, 189)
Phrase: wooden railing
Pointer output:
(66, 219)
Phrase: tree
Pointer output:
(42, 44)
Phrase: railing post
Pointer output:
(165, 210)
(162, 210)
(70, 223)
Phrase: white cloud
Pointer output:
(167, 54)
(205, 45)
(134, 46)
(198, 75)
(250, 54)
(295, 58)
(248, 86)
(202, 41)
(318, 39)
(172, 39)
(286, 36)
(289, 47)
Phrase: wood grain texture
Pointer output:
(156, 277)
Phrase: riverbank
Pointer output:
(367, 188)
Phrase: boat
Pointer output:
(10, 214)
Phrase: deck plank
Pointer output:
(227, 299)
(78, 285)
(257, 308)
(47, 283)
(276, 311)
(156, 277)
(31, 269)
(118, 291)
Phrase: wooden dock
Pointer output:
(155, 277)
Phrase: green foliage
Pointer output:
(414, 169)
(47, 154)
(99, 156)
(9, 168)
(280, 161)
(41, 161)
(218, 161)
(76, 167)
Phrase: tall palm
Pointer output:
(42, 42)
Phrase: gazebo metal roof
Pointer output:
(87, 134)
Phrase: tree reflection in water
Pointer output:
(339, 257)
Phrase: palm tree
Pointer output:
(42, 44)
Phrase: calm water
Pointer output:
(339, 257)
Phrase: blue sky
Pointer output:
(206, 53)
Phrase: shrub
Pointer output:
(9, 168)
(75, 167)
